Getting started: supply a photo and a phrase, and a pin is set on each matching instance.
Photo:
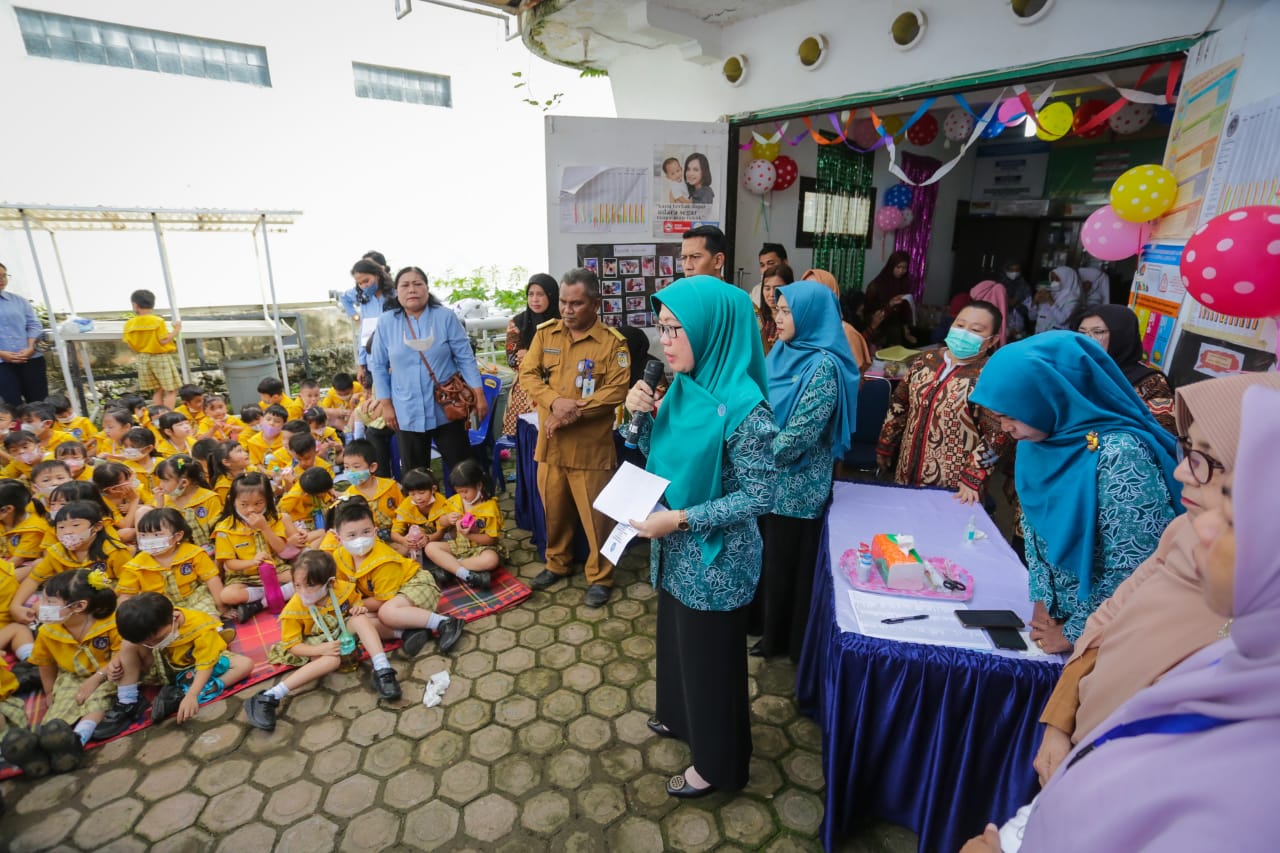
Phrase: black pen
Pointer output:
(898, 619)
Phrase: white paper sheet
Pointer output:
(942, 628)
(619, 538)
(368, 326)
(631, 494)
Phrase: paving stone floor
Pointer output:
(540, 744)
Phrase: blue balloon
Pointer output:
(1164, 113)
(992, 130)
(898, 195)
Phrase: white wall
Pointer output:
(434, 187)
(962, 37)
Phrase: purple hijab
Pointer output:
(1194, 792)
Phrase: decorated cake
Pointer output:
(897, 561)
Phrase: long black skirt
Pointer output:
(786, 581)
(702, 688)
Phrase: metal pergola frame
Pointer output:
(56, 218)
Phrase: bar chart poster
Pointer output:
(603, 199)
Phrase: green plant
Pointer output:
(546, 105)
(489, 284)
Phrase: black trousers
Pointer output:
(450, 439)
(702, 688)
(24, 383)
(786, 581)
(381, 441)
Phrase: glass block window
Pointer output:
(397, 84)
(103, 43)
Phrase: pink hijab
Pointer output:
(994, 292)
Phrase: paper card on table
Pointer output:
(631, 494)
(898, 353)
(368, 326)
(941, 628)
(617, 542)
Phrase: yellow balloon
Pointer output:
(1144, 193)
(1054, 121)
(892, 125)
(765, 150)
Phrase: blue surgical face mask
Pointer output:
(963, 343)
(355, 478)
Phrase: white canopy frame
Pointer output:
(56, 218)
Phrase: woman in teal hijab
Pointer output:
(712, 439)
(813, 388)
(1094, 473)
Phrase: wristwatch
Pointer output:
(683, 523)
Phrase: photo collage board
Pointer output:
(629, 274)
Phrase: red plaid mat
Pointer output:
(256, 637)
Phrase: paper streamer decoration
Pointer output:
(898, 195)
(1131, 118)
(1143, 193)
(1232, 263)
(924, 131)
(992, 130)
(1109, 238)
(787, 172)
(760, 177)
(958, 125)
(1054, 122)
(943, 170)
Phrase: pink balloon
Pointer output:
(1232, 262)
(1011, 112)
(888, 218)
(1109, 238)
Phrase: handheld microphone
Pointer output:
(652, 375)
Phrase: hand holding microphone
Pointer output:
(640, 399)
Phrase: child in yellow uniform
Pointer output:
(182, 649)
(341, 400)
(393, 587)
(182, 485)
(175, 435)
(39, 420)
(318, 629)
(150, 339)
(359, 461)
(263, 444)
(308, 396)
(328, 442)
(138, 455)
(230, 462)
(192, 408)
(271, 392)
(471, 525)
(302, 458)
(251, 417)
(222, 425)
(168, 563)
(307, 501)
(74, 455)
(83, 543)
(80, 428)
(249, 533)
(126, 496)
(116, 422)
(417, 514)
(24, 532)
(76, 642)
(46, 475)
(24, 452)
(15, 635)
(281, 462)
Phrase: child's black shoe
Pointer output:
(21, 747)
(166, 702)
(119, 717)
(413, 641)
(246, 611)
(62, 745)
(386, 685)
(261, 711)
(448, 634)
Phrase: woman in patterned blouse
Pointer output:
(713, 440)
(1115, 328)
(1094, 474)
(542, 303)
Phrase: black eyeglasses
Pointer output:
(1202, 465)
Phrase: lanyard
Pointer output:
(324, 626)
(1165, 724)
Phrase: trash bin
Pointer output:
(243, 376)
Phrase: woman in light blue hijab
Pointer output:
(813, 388)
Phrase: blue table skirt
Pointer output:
(936, 739)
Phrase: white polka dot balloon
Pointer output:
(1131, 118)
(958, 125)
(760, 177)
(1232, 263)
(1144, 193)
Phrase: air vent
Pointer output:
(735, 69)
(907, 29)
(812, 52)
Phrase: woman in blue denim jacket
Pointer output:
(713, 440)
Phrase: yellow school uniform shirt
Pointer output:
(144, 469)
(55, 439)
(8, 586)
(8, 682)
(486, 512)
(296, 623)
(58, 559)
(190, 567)
(408, 514)
(142, 332)
(386, 498)
(80, 429)
(283, 459)
(84, 475)
(26, 540)
(300, 506)
(198, 643)
(231, 429)
(166, 448)
(201, 512)
(17, 470)
(200, 422)
(328, 434)
(292, 405)
(381, 572)
(331, 400)
(234, 540)
(260, 447)
(330, 544)
(55, 646)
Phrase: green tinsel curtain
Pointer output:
(844, 180)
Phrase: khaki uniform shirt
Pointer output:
(549, 370)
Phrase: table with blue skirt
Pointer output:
(936, 738)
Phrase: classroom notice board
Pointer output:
(630, 273)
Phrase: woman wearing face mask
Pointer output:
(933, 434)
(1157, 617)
(1056, 304)
(1020, 317)
(542, 303)
(419, 344)
(1187, 763)
(1115, 328)
(1094, 474)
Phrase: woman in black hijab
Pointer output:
(542, 303)
(1115, 328)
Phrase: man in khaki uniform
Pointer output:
(576, 371)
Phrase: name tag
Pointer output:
(551, 350)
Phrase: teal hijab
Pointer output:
(702, 408)
(1064, 384)
(819, 335)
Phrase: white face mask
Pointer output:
(50, 614)
(359, 546)
(34, 429)
(68, 419)
(166, 642)
(75, 466)
(131, 453)
(313, 597)
(72, 541)
(153, 544)
(30, 457)
(420, 344)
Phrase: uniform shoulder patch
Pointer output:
(616, 333)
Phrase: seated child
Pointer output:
(125, 494)
(193, 409)
(204, 451)
(138, 455)
(181, 484)
(175, 435)
(281, 463)
(47, 474)
(78, 490)
(307, 501)
(251, 418)
(250, 537)
(328, 442)
(222, 426)
(231, 461)
(170, 564)
(115, 423)
(417, 514)
(264, 443)
(79, 428)
(308, 395)
(181, 649)
(271, 392)
(75, 643)
(137, 409)
(25, 531)
(24, 452)
(15, 635)
(38, 419)
(359, 462)
(393, 587)
(340, 402)
(318, 629)
(473, 518)
(75, 456)
(83, 543)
